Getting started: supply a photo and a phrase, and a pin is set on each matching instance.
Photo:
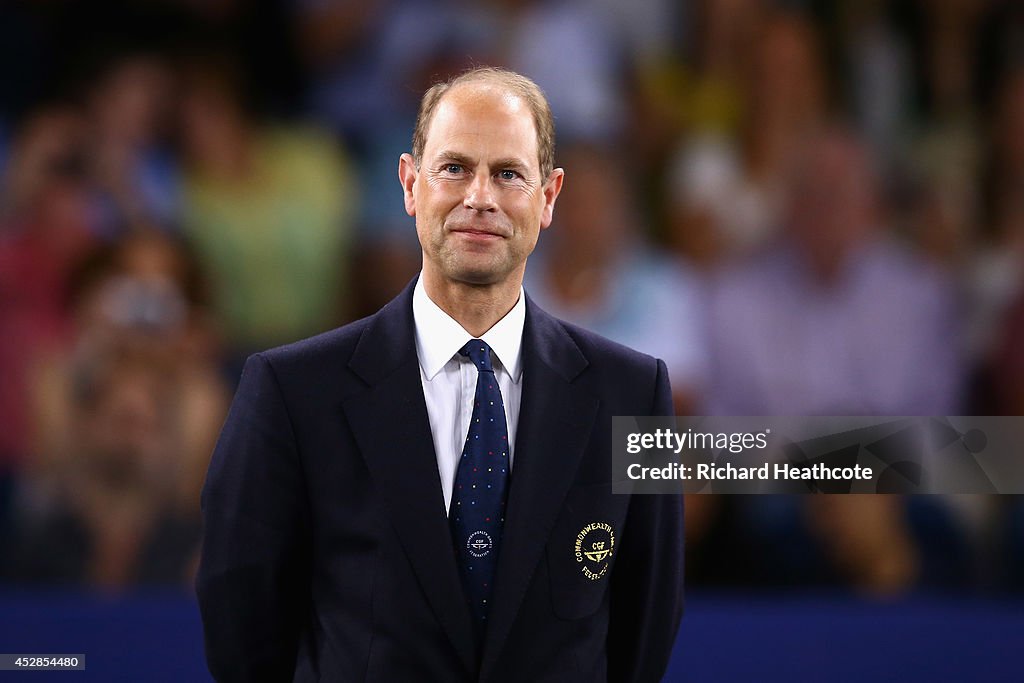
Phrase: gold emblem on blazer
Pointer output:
(595, 545)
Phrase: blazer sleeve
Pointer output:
(647, 585)
(254, 576)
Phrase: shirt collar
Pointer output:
(439, 336)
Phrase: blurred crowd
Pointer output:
(803, 207)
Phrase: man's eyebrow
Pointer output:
(512, 164)
(448, 156)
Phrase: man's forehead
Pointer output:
(474, 110)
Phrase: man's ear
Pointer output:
(407, 176)
(552, 186)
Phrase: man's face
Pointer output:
(478, 196)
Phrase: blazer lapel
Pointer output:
(555, 421)
(391, 426)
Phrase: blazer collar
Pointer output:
(392, 430)
(388, 341)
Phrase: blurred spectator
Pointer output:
(583, 90)
(879, 86)
(939, 206)
(1008, 362)
(875, 545)
(595, 269)
(112, 516)
(131, 169)
(726, 193)
(947, 35)
(269, 211)
(886, 544)
(361, 57)
(147, 290)
(995, 274)
(124, 426)
(648, 28)
(943, 145)
(1007, 374)
(46, 226)
(836, 319)
(723, 34)
(696, 88)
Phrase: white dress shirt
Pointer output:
(449, 378)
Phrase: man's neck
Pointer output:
(476, 307)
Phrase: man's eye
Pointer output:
(453, 168)
(508, 175)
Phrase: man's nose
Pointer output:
(480, 194)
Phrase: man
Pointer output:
(424, 495)
(834, 318)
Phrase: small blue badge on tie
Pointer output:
(479, 543)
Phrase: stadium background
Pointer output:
(803, 207)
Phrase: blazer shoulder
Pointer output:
(379, 340)
(340, 339)
(323, 355)
(601, 351)
(633, 382)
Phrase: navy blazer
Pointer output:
(327, 554)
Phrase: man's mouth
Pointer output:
(473, 232)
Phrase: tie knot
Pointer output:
(480, 353)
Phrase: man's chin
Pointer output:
(477, 278)
(481, 273)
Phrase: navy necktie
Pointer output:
(481, 483)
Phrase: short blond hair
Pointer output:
(517, 84)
